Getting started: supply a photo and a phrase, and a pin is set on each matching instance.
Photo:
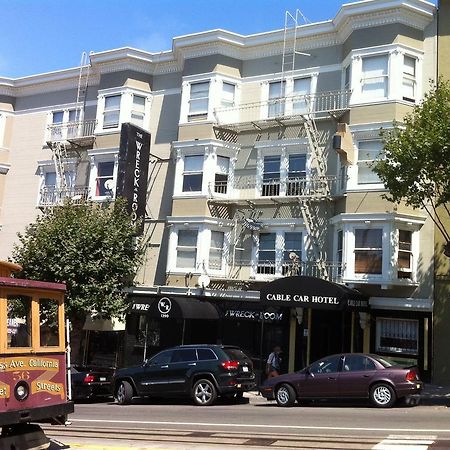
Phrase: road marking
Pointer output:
(405, 443)
(241, 425)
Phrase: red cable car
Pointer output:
(33, 376)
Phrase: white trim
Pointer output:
(408, 303)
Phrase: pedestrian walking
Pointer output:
(273, 366)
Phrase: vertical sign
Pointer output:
(134, 155)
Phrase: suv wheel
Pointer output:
(124, 393)
(204, 392)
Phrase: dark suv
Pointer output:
(201, 371)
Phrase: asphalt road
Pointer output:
(256, 424)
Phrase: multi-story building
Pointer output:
(260, 181)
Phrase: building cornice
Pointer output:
(352, 16)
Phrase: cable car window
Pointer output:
(19, 321)
(48, 322)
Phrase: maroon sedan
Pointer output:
(347, 376)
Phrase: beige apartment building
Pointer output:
(265, 223)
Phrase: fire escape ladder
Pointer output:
(313, 230)
(83, 82)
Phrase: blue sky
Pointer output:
(44, 35)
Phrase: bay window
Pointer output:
(368, 153)
(187, 249)
(368, 251)
(104, 180)
(228, 95)
(409, 78)
(193, 173)
(138, 110)
(221, 175)
(404, 254)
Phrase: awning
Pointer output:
(312, 292)
(163, 307)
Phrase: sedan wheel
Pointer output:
(285, 395)
(124, 393)
(204, 393)
(382, 395)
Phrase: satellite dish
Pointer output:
(203, 281)
(109, 184)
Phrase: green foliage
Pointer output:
(416, 168)
(90, 247)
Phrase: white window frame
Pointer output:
(360, 162)
(126, 108)
(102, 155)
(395, 54)
(283, 149)
(64, 134)
(204, 226)
(210, 149)
(215, 112)
(279, 229)
(389, 224)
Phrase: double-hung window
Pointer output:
(271, 176)
(368, 153)
(228, 95)
(187, 249)
(292, 254)
(296, 174)
(193, 173)
(277, 99)
(375, 77)
(216, 250)
(138, 110)
(111, 111)
(104, 181)
(404, 256)
(198, 101)
(221, 175)
(266, 254)
(409, 78)
(301, 103)
(368, 251)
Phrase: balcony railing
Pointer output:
(293, 106)
(245, 269)
(53, 196)
(246, 187)
(71, 130)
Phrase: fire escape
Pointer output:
(69, 140)
(278, 118)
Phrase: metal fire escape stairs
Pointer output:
(60, 148)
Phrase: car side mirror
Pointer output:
(309, 373)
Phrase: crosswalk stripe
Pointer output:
(395, 442)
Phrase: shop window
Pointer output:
(193, 173)
(271, 176)
(266, 254)
(216, 250)
(48, 323)
(198, 101)
(368, 153)
(368, 251)
(187, 249)
(374, 80)
(221, 175)
(276, 99)
(292, 254)
(409, 78)
(138, 110)
(228, 95)
(404, 255)
(296, 175)
(104, 181)
(397, 336)
(111, 111)
(19, 321)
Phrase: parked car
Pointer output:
(202, 372)
(90, 382)
(347, 376)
